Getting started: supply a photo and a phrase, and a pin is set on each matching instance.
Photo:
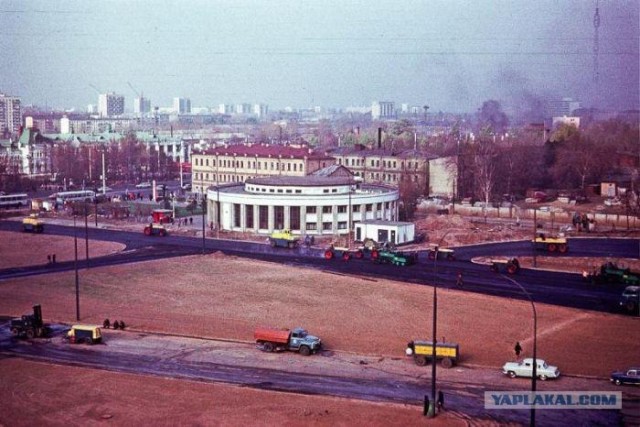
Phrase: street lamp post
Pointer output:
(432, 404)
(75, 266)
(532, 419)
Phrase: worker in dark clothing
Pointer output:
(440, 401)
(517, 349)
(459, 281)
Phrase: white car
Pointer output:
(525, 369)
(143, 185)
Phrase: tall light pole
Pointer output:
(75, 266)
(432, 404)
(532, 419)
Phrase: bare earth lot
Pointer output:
(225, 297)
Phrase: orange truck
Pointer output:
(296, 339)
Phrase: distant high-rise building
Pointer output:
(382, 110)
(182, 105)
(260, 110)
(243, 108)
(110, 104)
(225, 109)
(10, 113)
(141, 105)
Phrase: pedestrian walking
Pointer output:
(459, 281)
(440, 401)
(517, 349)
(190, 220)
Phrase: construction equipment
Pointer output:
(33, 224)
(88, 334)
(296, 339)
(155, 230)
(441, 254)
(283, 239)
(550, 244)
(510, 265)
(422, 352)
(30, 325)
(401, 258)
(343, 253)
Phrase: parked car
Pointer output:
(630, 376)
(525, 369)
(143, 185)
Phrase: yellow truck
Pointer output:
(422, 352)
(550, 244)
(283, 239)
(88, 334)
(33, 224)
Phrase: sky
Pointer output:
(451, 55)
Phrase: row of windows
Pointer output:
(297, 166)
(387, 164)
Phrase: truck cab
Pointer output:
(88, 334)
(296, 339)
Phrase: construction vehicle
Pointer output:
(610, 272)
(343, 253)
(33, 224)
(283, 239)
(630, 299)
(296, 339)
(510, 265)
(155, 230)
(441, 254)
(88, 334)
(30, 325)
(550, 244)
(386, 256)
(422, 352)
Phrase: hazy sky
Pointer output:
(451, 55)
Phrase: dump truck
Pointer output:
(33, 224)
(509, 265)
(422, 352)
(283, 239)
(155, 230)
(402, 258)
(550, 244)
(88, 334)
(30, 325)
(296, 339)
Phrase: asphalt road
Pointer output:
(564, 289)
(352, 376)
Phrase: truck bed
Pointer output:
(272, 335)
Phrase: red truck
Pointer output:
(296, 339)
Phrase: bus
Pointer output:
(20, 200)
(73, 196)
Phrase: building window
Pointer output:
(326, 226)
(369, 207)
(236, 215)
(355, 208)
(342, 209)
(311, 209)
(278, 217)
(298, 191)
(326, 190)
(248, 213)
(311, 226)
(342, 225)
(379, 206)
(294, 217)
(263, 216)
(326, 209)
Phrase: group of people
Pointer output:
(581, 222)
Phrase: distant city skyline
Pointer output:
(450, 55)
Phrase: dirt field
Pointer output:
(218, 296)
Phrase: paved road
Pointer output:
(353, 376)
(564, 289)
